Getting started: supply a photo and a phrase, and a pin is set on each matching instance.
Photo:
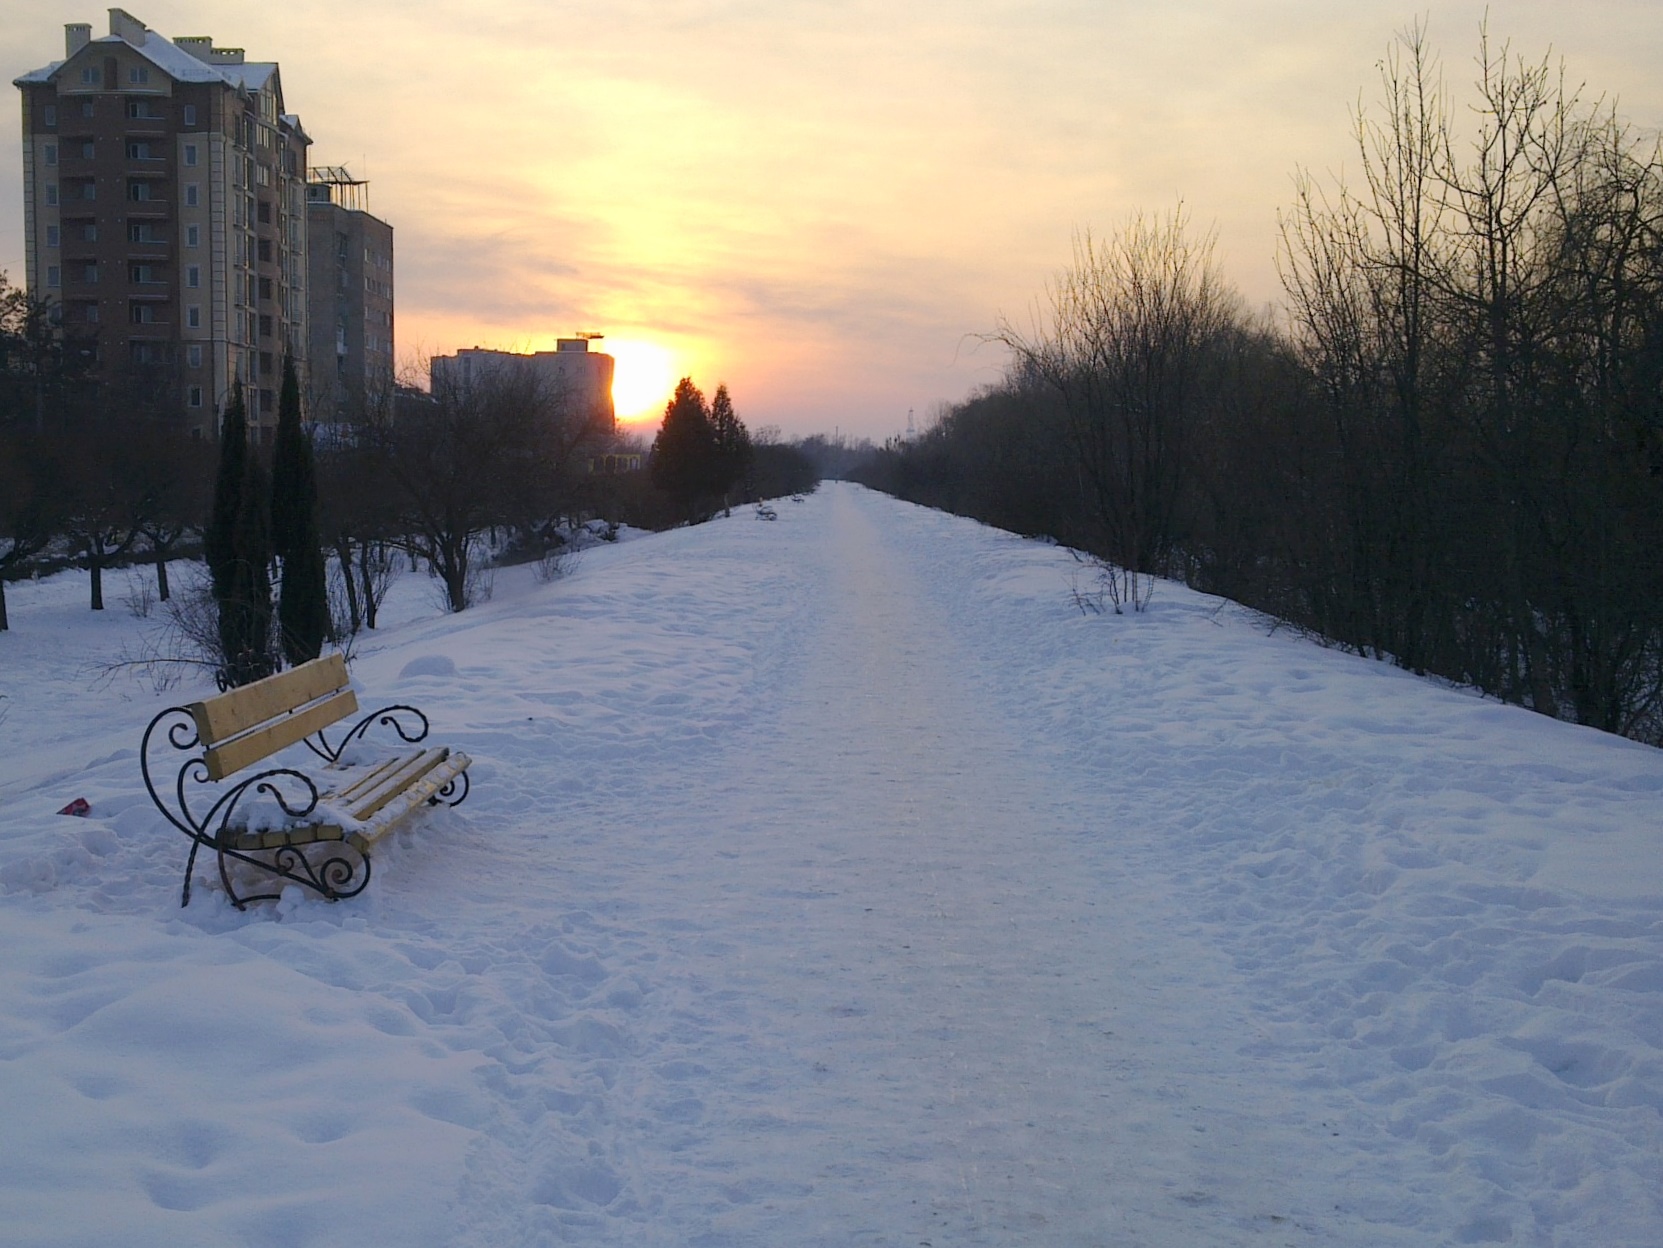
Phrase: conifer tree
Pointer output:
(245, 610)
(733, 445)
(289, 464)
(684, 452)
(303, 602)
(217, 539)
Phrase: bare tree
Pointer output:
(489, 453)
(1124, 341)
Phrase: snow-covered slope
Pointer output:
(835, 881)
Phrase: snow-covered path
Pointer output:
(960, 1032)
(834, 881)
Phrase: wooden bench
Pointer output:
(321, 830)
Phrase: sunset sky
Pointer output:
(821, 203)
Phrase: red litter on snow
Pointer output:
(80, 806)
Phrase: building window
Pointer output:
(190, 114)
(141, 150)
(138, 75)
(193, 355)
(51, 236)
(253, 332)
(264, 249)
(87, 109)
(139, 191)
(51, 153)
(193, 317)
(49, 115)
(267, 401)
(54, 275)
(193, 235)
(190, 194)
(90, 316)
(90, 272)
(89, 189)
(265, 364)
(193, 274)
(89, 232)
(190, 154)
(265, 288)
(265, 212)
(142, 313)
(143, 274)
(194, 396)
(89, 77)
(51, 193)
(88, 149)
(265, 327)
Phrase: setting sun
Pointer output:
(644, 377)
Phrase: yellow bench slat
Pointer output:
(413, 798)
(371, 776)
(396, 782)
(239, 752)
(241, 709)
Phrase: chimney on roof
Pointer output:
(225, 56)
(199, 46)
(128, 27)
(76, 36)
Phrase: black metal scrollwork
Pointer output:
(454, 792)
(335, 873)
(386, 717)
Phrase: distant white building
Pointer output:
(580, 376)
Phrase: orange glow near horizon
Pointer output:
(643, 380)
(832, 206)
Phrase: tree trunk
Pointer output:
(343, 555)
(372, 605)
(4, 624)
(95, 566)
(161, 573)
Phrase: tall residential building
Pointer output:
(574, 374)
(165, 212)
(350, 294)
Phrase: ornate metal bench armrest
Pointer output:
(409, 723)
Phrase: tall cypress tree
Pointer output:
(245, 613)
(303, 602)
(218, 543)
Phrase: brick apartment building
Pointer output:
(165, 212)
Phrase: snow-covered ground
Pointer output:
(834, 881)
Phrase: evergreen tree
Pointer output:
(218, 546)
(303, 602)
(684, 452)
(290, 464)
(733, 445)
(245, 609)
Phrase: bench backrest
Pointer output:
(255, 721)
